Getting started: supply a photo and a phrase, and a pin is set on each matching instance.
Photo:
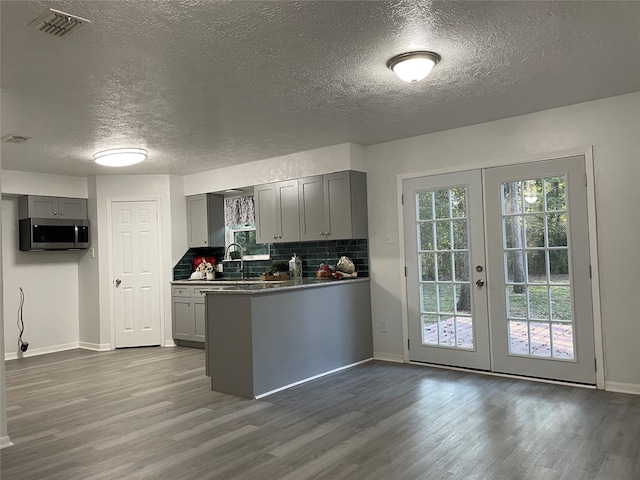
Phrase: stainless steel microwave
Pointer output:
(53, 234)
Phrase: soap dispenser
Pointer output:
(295, 266)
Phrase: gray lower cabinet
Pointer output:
(333, 206)
(187, 308)
(277, 214)
(40, 206)
(205, 220)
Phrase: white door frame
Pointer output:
(587, 152)
(112, 319)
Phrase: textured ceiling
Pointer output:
(207, 84)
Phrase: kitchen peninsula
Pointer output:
(263, 337)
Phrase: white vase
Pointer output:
(211, 276)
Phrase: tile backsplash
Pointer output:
(311, 253)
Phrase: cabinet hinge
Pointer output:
(405, 271)
(402, 199)
(595, 364)
(408, 344)
(585, 179)
(590, 272)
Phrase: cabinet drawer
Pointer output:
(181, 291)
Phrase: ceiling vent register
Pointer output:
(58, 24)
(14, 138)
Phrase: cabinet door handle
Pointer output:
(55, 213)
(205, 242)
(61, 213)
(275, 237)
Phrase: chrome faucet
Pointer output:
(241, 256)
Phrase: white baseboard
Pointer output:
(5, 442)
(258, 397)
(96, 347)
(389, 357)
(620, 387)
(32, 352)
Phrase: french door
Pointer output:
(522, 305)
(446, 300)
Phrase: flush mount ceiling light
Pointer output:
(120, 157)
(413, 66)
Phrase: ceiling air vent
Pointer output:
(14, 138)
(58, 24)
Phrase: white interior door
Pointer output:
(135, 267)
(534, 317)
(447, 303)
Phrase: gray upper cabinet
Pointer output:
(311, 203)
(277, 214)
(38, 206)
(205, 220)
(334, 206)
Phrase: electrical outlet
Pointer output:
(383, 326)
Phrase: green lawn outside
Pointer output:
(538, 297)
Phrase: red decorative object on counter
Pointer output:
(198, 260)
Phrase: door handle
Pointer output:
(480, 283)
(118, 282)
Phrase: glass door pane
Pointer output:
(443, 250)
(537, 280)
(444, 254)
(539, 285)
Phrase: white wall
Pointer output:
(88, 280)
(50, 284)
(179, 242)
(49, 280)
(336, 158)
(611, 125)
(5, 441)
(28, 183)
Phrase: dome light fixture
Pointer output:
(413, 66)
(120, 157)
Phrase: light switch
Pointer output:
(391, 238)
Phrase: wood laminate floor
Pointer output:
(149, 413)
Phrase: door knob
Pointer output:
(480, 283)
(118, 282)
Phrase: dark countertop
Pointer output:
(254, 286)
